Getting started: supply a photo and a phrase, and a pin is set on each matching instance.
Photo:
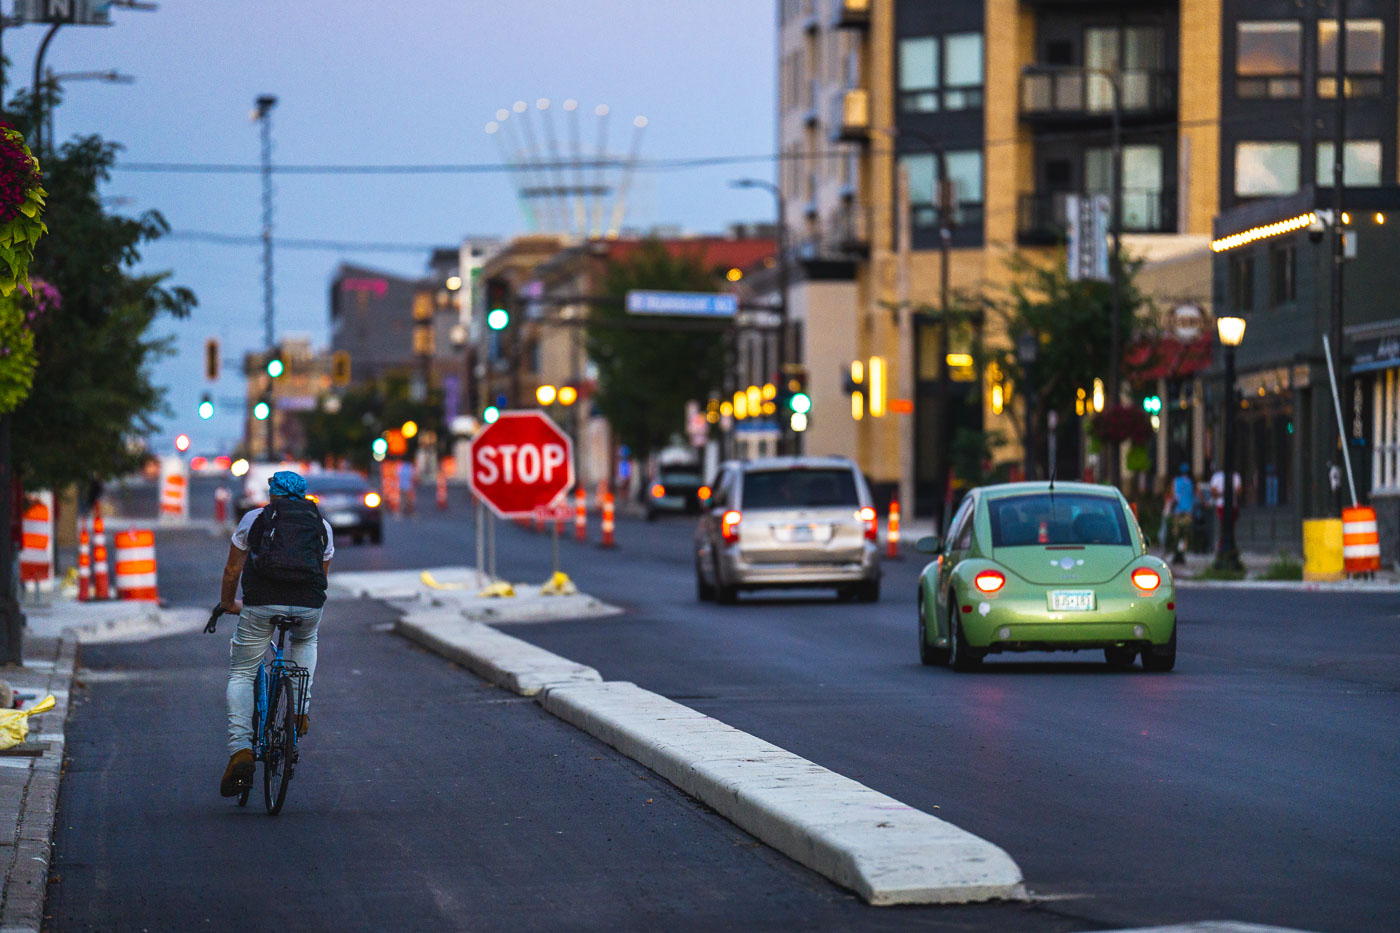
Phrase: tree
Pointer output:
(645, 377)
(1070, 322)
(364, 413)
(92, 396)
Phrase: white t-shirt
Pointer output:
(240, 534)
(1217, 486)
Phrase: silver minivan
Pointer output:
(788, 522)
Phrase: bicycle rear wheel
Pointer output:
(281, 745)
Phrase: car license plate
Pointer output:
(344, 518)
(1071, 600)
(800, 534)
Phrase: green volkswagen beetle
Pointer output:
(1042, 567)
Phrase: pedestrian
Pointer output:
(282, 553)
(1217, 494)
(1183, 500)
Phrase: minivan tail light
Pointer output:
(1145, 579)
(872, 523)
(729, 526)
(989, 581)
(657, 491)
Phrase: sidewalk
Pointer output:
(30, 773)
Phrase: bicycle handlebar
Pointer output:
(213, 619)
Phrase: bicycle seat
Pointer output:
(285, 622)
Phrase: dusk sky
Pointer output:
(404, 84)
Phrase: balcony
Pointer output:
(1041, 219)
(850, 14)
(1052, 94)
(851, 115)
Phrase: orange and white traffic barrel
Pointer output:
(441, 490)
(1361, 543)
(892, 536)
(136, 565)
(608, 523)
(101, 585)
(580, 514)
(174, 489)
(84, 566)
(36, 542)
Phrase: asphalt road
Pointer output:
(1252, 784)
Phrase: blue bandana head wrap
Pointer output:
(286, 483)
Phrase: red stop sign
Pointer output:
(520, 463)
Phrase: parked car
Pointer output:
(349, 503)
(1045, 567)
(676, 490)
(788, 522)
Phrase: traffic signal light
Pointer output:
(1152, 404)
(261, 411)
(340, 368)
(380, 447)
(798, 402)
(491, 414)
(497, 304)
(211, 359)
(275, 367)
(206, 407)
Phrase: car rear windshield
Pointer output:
(678, 478)
(336, 483)
(793, 489)
(1061, 518)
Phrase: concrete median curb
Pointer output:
(500, 659)
(886, 851)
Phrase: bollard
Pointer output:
(221, 497)
(607, 520)
(892, 536)
(101, 587)
(442, 490)
(580, 514)
(136, 565)
(84, 567)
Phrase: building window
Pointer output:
(1283, 275)
(918, 75)
(1241, 283)
(1365, 57)
(1263, 169)
(940, 74)
(965, 176)
(1385, 431)
(1268, 59)
(1138, 52)
(1142, 183)
(1361, 163)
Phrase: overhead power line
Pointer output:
(335, 246)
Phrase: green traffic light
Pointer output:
(1152, 404)
(261, 411)
(274, 367)
(800, 403)
(491, 414)
(380, 447)
(498, 319)
(206, 409)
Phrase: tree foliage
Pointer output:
(366, 412)
(93, 394)
(645, 377)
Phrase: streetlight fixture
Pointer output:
(1231, 330)
(783, 355)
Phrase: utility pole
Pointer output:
(786, 353)
(263, 115)
(1338, 228)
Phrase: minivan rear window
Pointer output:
(1061, 518)
(795, 489)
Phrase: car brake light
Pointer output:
(313, 498)
(872, 524)
(657, 491)
(989, 581)
(1145, 579)
(729, 526)
(372, 499)
(703, 493)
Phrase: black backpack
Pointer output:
(292, 542)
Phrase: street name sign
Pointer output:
(520, 463)
(689, 304)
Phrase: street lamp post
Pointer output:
(1231, 331)
(784, 357)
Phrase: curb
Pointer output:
(1295, 586)
(886, 851)
(27, 876)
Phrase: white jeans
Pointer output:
(255, 632)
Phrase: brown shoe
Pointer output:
(303, 725)
(238, 776)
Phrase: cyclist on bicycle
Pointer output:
(282, 552)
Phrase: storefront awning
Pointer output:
(1168, 358)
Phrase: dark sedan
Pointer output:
(349, 503)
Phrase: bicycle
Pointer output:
(279, 698)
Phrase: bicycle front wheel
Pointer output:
(281, 745)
